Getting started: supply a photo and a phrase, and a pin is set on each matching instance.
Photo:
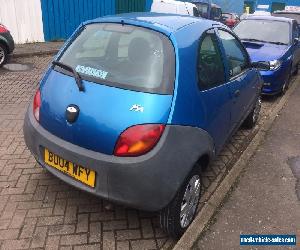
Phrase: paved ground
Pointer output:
(265, 200)
(39, 211)
(37, 48)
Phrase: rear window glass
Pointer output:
(124, 56)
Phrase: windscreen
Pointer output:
(203, 9)
(264, 30)
(216, 13)
(124, 56)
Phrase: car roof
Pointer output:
(287, 12)
(200, 1)
(215, 5)
(271, 18)
(167, 23)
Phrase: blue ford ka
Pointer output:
(275, 40)
(135, 106)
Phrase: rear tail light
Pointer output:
(138, 140)
(3, 28)
(37, 105)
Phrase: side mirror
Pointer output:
(261, 65)
(296, 40)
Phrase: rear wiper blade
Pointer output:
(72, 70)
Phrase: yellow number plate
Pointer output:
(78, 172)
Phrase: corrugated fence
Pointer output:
(61, 18)
(49, 20)
(125, 6)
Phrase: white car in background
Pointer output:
(174, 7)
(256, 13)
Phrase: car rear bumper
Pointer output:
(147, 182)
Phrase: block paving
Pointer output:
(38, 211)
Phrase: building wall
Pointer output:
(269, 3)
(24, 19)
(50, 20)
(125, 6)
(234, 6)
(62, 17)
(148, 5)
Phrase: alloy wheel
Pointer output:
(190, 201)
(256, 110)
(2, 55)
(286, 84)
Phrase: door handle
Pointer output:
(237, 93)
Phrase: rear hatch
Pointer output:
(128, 75)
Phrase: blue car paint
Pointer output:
(275, 78)
(270, 52)
(104, 111)
(216, 110)
(198, 122)
(266, 51)
(221, 114)
(189, 111)
(260, 51)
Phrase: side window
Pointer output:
(295, 30)
(196, 12)
(235, 53)
(210, 65)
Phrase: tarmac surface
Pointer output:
(266, 199)
(38, 211)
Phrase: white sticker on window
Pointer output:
(92, 72)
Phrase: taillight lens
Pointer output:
(3, 28)
(37, 105)
(138, 140)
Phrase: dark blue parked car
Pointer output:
(134, 106)
(276, 40)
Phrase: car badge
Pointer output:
(137, 108)
(72, 113)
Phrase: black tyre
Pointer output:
(296, 71)
(286, 84)
(179, 214)
(252, 118)
(3, 55)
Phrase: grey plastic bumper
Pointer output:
(147, 182)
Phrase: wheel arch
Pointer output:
(4, 43)
(204, 161)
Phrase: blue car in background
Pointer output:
(274, 40)
(135, 106)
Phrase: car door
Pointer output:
(295, 45)
(213, 91)
(242, 79)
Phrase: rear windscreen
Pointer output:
(124, 56)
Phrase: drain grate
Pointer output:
(18, 67)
